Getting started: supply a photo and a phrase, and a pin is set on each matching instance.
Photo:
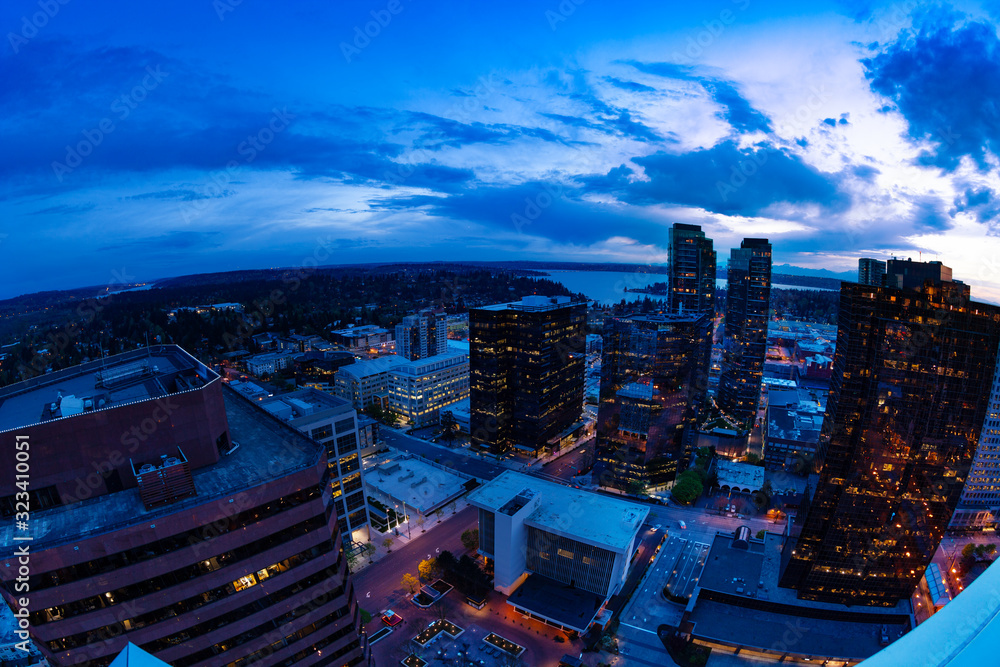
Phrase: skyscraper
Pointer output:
(654, 377)
(422, 335)
(170, 512)
(747, 308)
(692, 270)
(909, 393)
(870, 271)
(526, 372)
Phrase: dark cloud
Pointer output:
(169, 242)
(178, 194)
(929, 215)
(946, 81)
(725, 179)
(830, 121)
(983, 203)
(632, 86)
(865, 172)
(64, 209)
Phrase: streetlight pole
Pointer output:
(407, 517)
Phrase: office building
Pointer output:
(549, 541)
(979, 505)
(691, 280)
(269, 363)
(908, 397)
(747, 309)
(526, 367)
(870, 271)
(419, 390)
(170, 512)
(366, 382)
(422, 335)
(365, 338)
(654, 379)
(332, 422)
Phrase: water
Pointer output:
(609, 286)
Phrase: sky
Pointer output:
(146, 140)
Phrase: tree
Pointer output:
(761, 533)
(369, 551)
(411, 583)
(969, 550)
(470, 538)
(428, 569)
(387, 543)
(635, 488)
(687, 488)
(753, 459)
(420, 521)
(448, 423)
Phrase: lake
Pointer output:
(609, 286)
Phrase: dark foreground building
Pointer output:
(526, 363)
(748, 300)
(654, 377)
(910, 388)
(170, 512)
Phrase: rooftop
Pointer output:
(570, 607)
(583, 515)
(268, 449)
(743, 475)
(416, 482)
(535, 303)
(363, 330)
(427, 364)
(305, 406)
(102, 385)
(363, 369)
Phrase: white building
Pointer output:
(363, 338)
(268, 363)
(363, 382)
(979, 505)
(558, 552)
(333, 422)
(418, 390)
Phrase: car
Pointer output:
(682, 525)
(391, 618)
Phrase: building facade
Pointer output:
(422, 335)
(979, 506)
(908, 397)
(654, 380)
(332, 422)
(419, 390)
(747, 309)
(167, 501)
(366, 382)
(268, 363)
(692, 270)
(526, 372)
(364, 338)
(871, 271)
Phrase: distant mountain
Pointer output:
(790, 269)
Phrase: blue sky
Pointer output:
(150, 141)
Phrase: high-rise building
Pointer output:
(870, 271)
(979, 505)
(170, 512)
(908, 397)
(422, 335)
(419, 390)
(654, 379)
(692, 270)
(526, 372)
(748, 299)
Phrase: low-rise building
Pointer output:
(365, 382)
(549, 542)
(418, 390)
(739, 477)
(364, 338)
(268, 363)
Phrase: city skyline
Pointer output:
(569, 131)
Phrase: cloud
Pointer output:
(169, 242)
(982, 203)
(724, 179)
(944, 78)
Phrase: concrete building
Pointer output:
(419, 390)
(363, 382)
(368, 435)
(739, 477)
(792, 428)
(544, 537)
(161, 502)
(364, 338)
(422, 335)
(268, 363)
(413, 488)
(332, 422)
(871, 271)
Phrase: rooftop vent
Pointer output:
(166, 482)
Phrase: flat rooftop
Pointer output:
(101, 385)
(563, 510)
(416, 482)
(363, 369)
(555, 601)
(268, 449)
(743, 475)
(305, 406)
(534, 304)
